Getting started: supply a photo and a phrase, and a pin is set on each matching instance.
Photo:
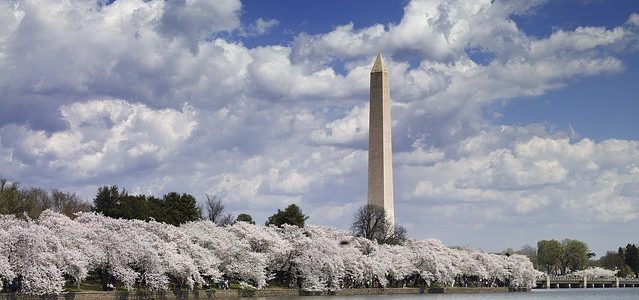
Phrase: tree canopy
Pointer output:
(172, 208)
(245, 218)
(31, 202)
(574, 255)
(611, 261)
(292, 215)
(631, 257)
(549, 255)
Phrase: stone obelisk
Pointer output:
(380, 152)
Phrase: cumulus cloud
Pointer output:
(100, 100)
(353, 128)
(102, 137)
(527, 175)
(193, 20)
(120, 51)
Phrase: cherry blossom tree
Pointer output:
(236, 258)
(37, 255)
(596, 272)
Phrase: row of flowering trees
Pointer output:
(40, 256)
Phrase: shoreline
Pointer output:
(236, 294)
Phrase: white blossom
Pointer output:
(596, 272)
(157, 256)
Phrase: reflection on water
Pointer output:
(559, 294)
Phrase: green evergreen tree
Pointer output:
(107, 201)
(11, 200)
(631, 258)
(173, 208)
(292, 215)
(245, 218)
(180, 208)
(134, 207)
(157, 210)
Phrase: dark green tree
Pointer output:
(180, 208)
(631, 257)
(549, 254)
(173, 208)
(245, 218)
(611, 261)
(11, 199)
(292, 215)
(107, 201)
(157, 209)
(134, 207)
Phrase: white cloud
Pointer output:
(526, 204)
(581, 39)
(343, 41)
(102, 137)
(275, 76)
(419, 156)
(10, 18)
(275, 124)
(334, 212)
(259, 27)
(194, 20)
(353, 128)
(530, 174)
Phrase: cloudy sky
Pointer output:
(513, 121)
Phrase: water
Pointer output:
(555, 294)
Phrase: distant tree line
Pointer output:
(172, 208)
(625, 260)
(566, 256)
(31, 202)
(112, 201)
(176, 209)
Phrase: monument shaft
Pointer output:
(380, 152)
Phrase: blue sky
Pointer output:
(514, 121)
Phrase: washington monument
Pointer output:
(380, 152)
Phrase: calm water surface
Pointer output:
(559, 294)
